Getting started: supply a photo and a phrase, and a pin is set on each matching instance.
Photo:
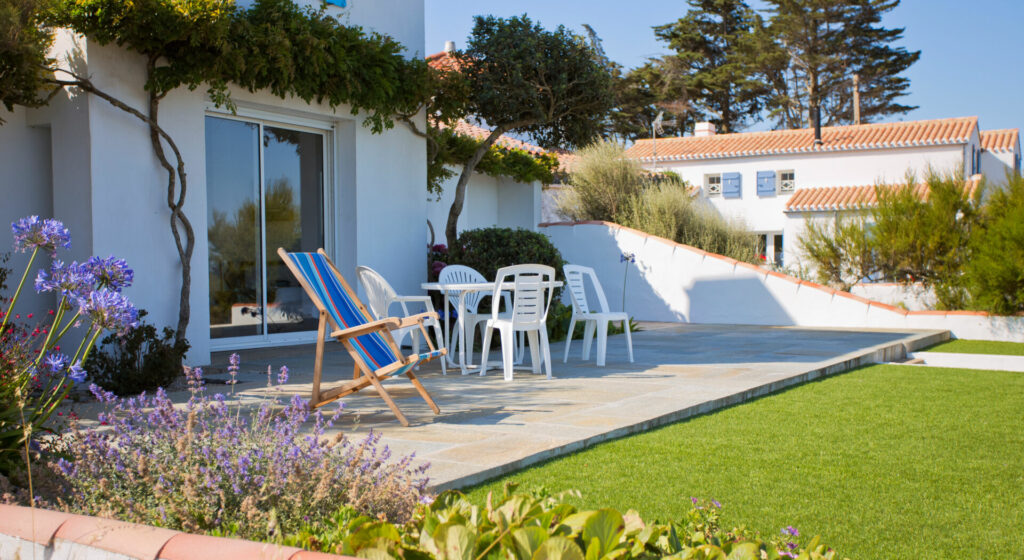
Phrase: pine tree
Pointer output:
(827, 43)
(713, 60)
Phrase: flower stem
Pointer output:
(49, 334)
(17, 292)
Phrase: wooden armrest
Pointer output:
(389, 323)
(417, 319)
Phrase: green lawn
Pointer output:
(883, 462)
(979, 347)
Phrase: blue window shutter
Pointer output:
(765, 183)
(731, 185)
(338, 3)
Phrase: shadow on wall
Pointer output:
(743, 301)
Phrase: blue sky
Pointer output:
(970, 49)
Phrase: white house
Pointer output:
(277, 172)
(772, 180)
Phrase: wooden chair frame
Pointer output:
(363, 374)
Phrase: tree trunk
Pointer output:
(451, 229)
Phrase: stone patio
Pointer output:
(488, 427)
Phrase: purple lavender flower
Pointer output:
(110, 272)
(56, 362)
(110, 310)
(73, 281)
(233, 361)
(76, 373)
(791, 530)
(31, 233)
(694, 500)
(282, 377)
(716, 504)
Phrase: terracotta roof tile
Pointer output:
(834, 138)
(443, 61)
(505, 141)
(1003, 140)
(818, 199)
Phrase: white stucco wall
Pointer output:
(489, 201)
(996, 165)
(673, 282)
(105, 183)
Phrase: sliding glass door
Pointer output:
(265, 189)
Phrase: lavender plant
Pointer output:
(212, 467)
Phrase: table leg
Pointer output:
(461, 322)
(448, 329)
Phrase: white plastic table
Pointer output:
(463, 289)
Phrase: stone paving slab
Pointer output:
(488, 427)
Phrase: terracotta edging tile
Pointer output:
(129, 539)
(31, 524)
(887, 307)
(184, 546)
(855, 297)
(974, 313)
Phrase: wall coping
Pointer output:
(49, 529)
(796, 281)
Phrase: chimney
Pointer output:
(449, 46)
(856, 99)
(817, 126)
(704, 129)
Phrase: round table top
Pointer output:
(475, 286)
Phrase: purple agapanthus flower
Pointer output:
(56, 362)
(32, 233)
(627, 257)
(110, 310)
(73, 281)
(76, 373)
(110, 272)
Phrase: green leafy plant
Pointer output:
(488, 249)
(523, 526)
(138, 361)
(454, 149)
(843, 252)
(994, 273)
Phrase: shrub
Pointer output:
(524, 526)
(488, 249)
(209, 468)
(995, 272)
(843, 252)
(610, 187)
(138, 361)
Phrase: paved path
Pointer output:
(488, 427)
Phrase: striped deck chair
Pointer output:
(369, 341)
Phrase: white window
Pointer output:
(787, 181)
(713, 184)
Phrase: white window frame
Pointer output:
(782, 187)
(328, 130)
(716, 191)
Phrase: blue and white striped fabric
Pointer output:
(341, 305)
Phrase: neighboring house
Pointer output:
(489, 201)
(760, 177)
(277, 172)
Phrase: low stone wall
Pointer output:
(29, 534)
(678, 283)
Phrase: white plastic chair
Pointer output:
(380, 295)
(593, 320)
(531, 300)
(461, 274)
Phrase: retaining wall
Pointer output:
(678, 283)
(29, 534)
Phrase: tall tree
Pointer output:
(827, 43)
(713, 60)
(549, 85)
(23, 46)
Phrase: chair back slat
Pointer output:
(332, 294)
(575, 277)
(378, 291)
(461, 274)
(532, 296)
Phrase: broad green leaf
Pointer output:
(375, 553)
(606, 526)
(558, 548)
(527, 540)
(576, 521)
(455, 542)
(594, 549)
(745, 551)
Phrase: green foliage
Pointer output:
(962, 346)
(818, 46)
(905, 238)
(273, 45)
(137, 361)
(994, 273)
(23, 54)
(549, 85)
(499, 161)
(712, 63)
(608, 186)
(488, 249)
(843, 252)
(522, 526)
